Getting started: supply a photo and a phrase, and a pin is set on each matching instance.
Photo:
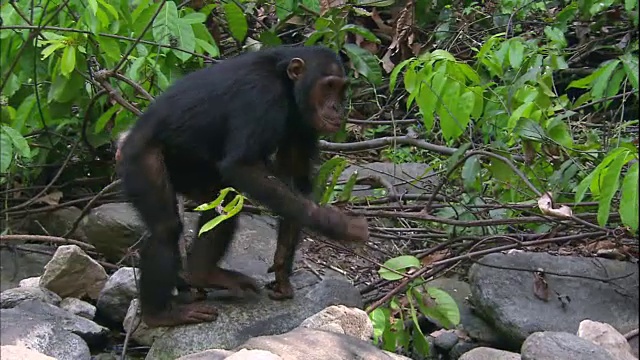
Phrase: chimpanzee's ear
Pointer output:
(295, 69)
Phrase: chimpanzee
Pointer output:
(218, 127)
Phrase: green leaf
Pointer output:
(427, 105)
(216, 202)
(629, 200)
(68, 61)
(237, 22)
(559, 131)
(365, 63)
(186, 40)
(212, 224)
(19, 142)
(165, 26)
(25, 112)
(46, 52)
(471, 173)
(365, 33)
(516, 54)
(556, 36)
(630, 64)
(601, 80)
(469, 72)
(629, 5)
(93, 6)
(529, 130)
(446, 311)
(611, 184)
(110, 47)
(284, 8)
(104, 118)
(523, 110)
(194, 18)
(398, 264)
(6, 152)
(379, 320)
(205, 40)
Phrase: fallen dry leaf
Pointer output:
(50, 199)
(545, 204)
(540, 286)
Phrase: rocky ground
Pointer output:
(61, 303)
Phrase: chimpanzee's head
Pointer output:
(319, 87)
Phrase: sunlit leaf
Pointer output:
(236, 19)
(365, 62)
(629, 199)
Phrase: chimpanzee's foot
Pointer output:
(234, 281)
(182, 314)
(280, 290)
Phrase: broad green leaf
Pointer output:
(64, 89)
(364, 32)
(194, 18)
(284, 8)
(110, 47)
(558, 130)
(446, 311)
(471, 173)
(6, 152)
(312, 4)
(345, 195)
(583, 186)
(516, 53)
(602, 79)
(380, 321)
(165, 26)
(365, 62)
(629, 199)
(104, 118)
(109, 9)
(142, 16)
(68, 61)
(237, 22)
(323, 174)
(186, 40)
(523, 110)
(19, 142)
(583, 83)
(468, 72)
(611, 184)
(556, 36)
(398, 264)
(440, 54)
(269, 38)
(46, 52)
(613, 87)
(212, 224)
(93, 6)
(427, 104)
(394, 73)
(205, 40)
(452, 122)
(529, 130)
(630, 63)
(25, 112)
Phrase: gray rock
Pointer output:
(342, 320)
(240, 320)
(446, 340)
(78, 307)
(551, 345)
(213, 354)
(12, 297)
(21, 352)
(30, 282)
(245, 354)
(485, 353)
(505, 297)
(117, 293)
(412, 178)
(606, 336)
(73, 273)
(310, 344)
(461, 348)
(22, 264)
(113, 228)
(56, 223)
(20, 327)
(91, 332)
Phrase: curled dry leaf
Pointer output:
(403, 36)
(50, 199)
(545, 204)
